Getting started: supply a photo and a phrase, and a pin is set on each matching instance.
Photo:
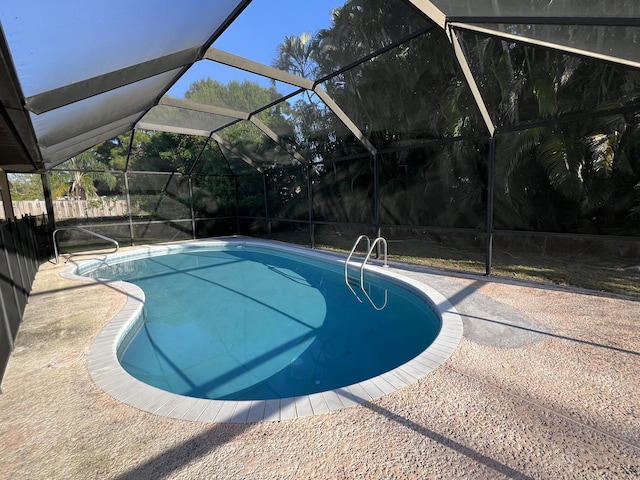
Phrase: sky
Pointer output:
(256, 34)
(108, 35)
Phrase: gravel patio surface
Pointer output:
(544, 384)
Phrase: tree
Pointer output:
(298, 55)
(78, 177)
(245, 97)
(562, 176)
(25, 186)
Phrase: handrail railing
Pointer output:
(55, 244)
(346, 263)
(366, 259)
(373, 304)
(370, 248)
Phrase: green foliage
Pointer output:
(572, 176)
(242, 96)
(25, 186)
(578, 176)
(299, 55)
(77, 177)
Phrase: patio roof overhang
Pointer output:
(19, 150)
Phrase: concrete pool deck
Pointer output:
(544, 384)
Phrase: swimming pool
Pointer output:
(289, 368)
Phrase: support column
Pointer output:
(48, 201)
(193, 213)
(376, 199)
(376, 194)
(266, 204)
(236, 190)
(5, 195)
(126, 187)
(490, 194)
(312, 230)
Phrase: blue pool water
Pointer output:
(254, 324)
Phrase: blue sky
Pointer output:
(264, 24)
(258, 31)
(107, 36)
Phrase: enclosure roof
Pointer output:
(74, 75)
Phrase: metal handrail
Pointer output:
(373, 304)
(346, 263)
(355, 245)
(366, 259)
(55, 244)
(370, 248)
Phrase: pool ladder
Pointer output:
(370, 248)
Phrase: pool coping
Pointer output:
(107, 373)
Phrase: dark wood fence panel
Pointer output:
(19, 260)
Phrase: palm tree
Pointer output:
(563, 176)
(80, 174)
(298, 55)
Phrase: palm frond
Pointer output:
(546, 92)
(564, 171)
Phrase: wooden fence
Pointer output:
(19, 260)
(71, 208)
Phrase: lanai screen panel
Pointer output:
(320, 134)
(185, 119)
(608, 29)
(616, 43)
(522, 83)
(54, 44)
(251, 142)
(212, 83)
(538, 8)
(83, 69)
(65, 150)
(411, 93)
(69, 121)
(212, 162)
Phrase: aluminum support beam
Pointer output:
(265, 184)
(169, 129)
(204, 108)
(24, 154)
(431, 11)
(191, 208)
(592, 21)
(129, 214)
(235, 151)
(541, 43)
(236, 191)
(75, 92)
(326, 98)
(257, 68)
(312, 229)
(276, 138)
(471, 81)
